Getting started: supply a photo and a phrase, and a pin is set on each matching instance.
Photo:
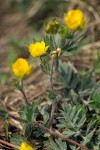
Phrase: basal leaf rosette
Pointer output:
(21, 68)
(38, 49)
(26, 146)
(75, 19)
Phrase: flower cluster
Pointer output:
(74, 19)
(49, 50)
(25, 146)
(21, 68)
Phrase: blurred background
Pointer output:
(23, 20)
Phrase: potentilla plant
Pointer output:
(70, 119)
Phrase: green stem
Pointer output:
(56, 63)
(51, 76)
(53, 104)
(54, 43)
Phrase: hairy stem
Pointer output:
(52, 114)
(24, 95)
(8, 144)
(56, 133)
(59, 135)
(25, 98)
(53, 104)
(51, 77)
(54, 64)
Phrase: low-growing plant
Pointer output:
(70, 119)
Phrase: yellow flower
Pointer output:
(38, 49)
(21, 68)
(25, 146)
(75, 19)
